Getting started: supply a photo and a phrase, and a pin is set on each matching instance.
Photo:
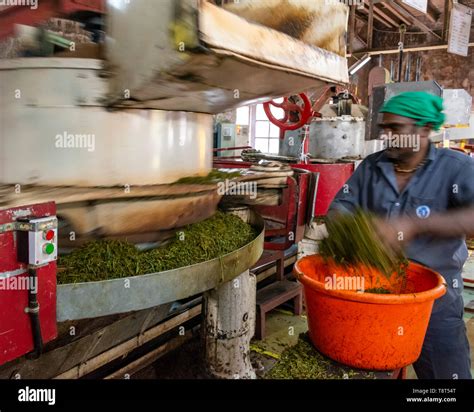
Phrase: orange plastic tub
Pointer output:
(367, 330)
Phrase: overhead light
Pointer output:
(361, 63)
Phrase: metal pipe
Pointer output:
(400, 62)
(402, 29)
(418, 69)
(408, 69)
(33, 311)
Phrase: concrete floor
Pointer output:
(282, 331)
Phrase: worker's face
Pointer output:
(402, 137)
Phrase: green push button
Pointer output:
(48, 248)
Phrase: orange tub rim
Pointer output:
(388, 299)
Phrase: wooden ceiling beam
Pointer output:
(381, 16)
(361, 40)
(361, 18)
(415, 21)
(448, 5)
(386, 17)
(370, 26)
(352, 27)
(378, 18)
(432, 13)
(405, 50)
(389, 7)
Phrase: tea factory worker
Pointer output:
(426, 196)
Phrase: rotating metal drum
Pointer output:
(59, 134)
(61, 141)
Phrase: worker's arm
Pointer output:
(450, 224)
(455, 222)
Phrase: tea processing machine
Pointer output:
(92, 147)
(322, 133)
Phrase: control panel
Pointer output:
(37, 240)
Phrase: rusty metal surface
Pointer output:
(117, 212)
(337, 138)
(316, 22)
(94, 299)
(140, 215)
(206, 64)
(9, 196)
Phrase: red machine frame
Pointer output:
(16, 335)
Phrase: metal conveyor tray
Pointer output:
(94, 299)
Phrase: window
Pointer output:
(243, 115)
(265, 136)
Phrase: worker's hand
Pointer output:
(397, 232)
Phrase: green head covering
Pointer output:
(421, 106)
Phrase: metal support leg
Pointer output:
(229, 324)
(298, 304)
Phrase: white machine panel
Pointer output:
(42, 243)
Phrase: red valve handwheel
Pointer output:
(284, 124)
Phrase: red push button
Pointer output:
(49, 234)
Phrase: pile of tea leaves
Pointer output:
(352, 240)
(214, 176)
(303, 361)
(110, 259)
(380, 291)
